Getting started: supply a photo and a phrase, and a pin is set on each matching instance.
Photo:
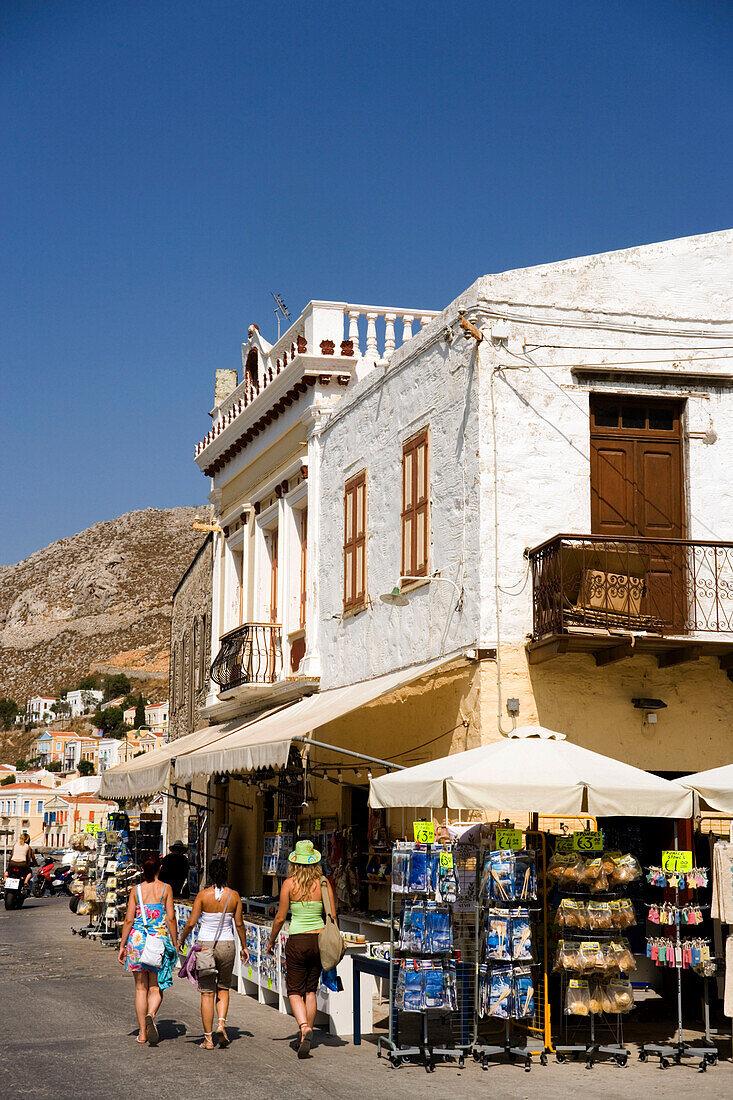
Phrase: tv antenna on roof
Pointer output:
(280, 310)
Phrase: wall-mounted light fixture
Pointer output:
(650, 708)
(397, 598)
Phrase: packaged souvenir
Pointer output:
(608, 864)
(525, 879)
(414, 988)
(433, 975)
(400, 870)
(599, 915)
(438, 929)
(499, 993)
(627, 870)
(412, 933)
(623, 956)
(621, 995)
(497, 934)
(399, 998)
(622, 913)
(565, 871)
(501, 877)
(577, 998)
(568, 956)
(590, 957)
(521, 936)
(593, 876)
(569, 914)
(523, 993)
(418, 878)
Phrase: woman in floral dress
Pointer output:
(157, 897)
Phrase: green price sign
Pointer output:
(564, 845)
(446, 859)
(588, 842)
(424, 832)
(90, 827)
(317, 824)
(677, 861)
(279, 827)
(509, 839)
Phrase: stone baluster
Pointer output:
(389, 341)
(372, 348)
(425, 321)
(354, 330)
(406, 327)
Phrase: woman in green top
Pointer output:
(301, 895)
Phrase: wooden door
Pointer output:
(637, 489)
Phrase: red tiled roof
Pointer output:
(28, 787)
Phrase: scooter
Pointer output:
(14, 888)
(52, 878)
(43, 877)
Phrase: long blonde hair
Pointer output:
(304, 875)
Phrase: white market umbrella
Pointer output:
(714, 785)
(534, 770)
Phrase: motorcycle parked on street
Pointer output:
(52, 878)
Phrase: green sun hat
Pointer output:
(305, 853)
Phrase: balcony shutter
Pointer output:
(415, 506)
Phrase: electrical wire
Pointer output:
(604, 326)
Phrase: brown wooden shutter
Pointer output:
(355, 542)
(415, 506)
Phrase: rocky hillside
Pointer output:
(98, 600)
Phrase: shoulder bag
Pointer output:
(154, 947)
(205, 961)
(330, 941)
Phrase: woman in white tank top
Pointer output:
(220, 911)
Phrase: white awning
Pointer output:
(147, 774)
(266, 742)
(714, 785)
(533, 770)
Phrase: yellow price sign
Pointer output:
(564, 845)
(588, 842)
(317, 825)
(424, 832)
(446, 859)
(91, 827)
(509, 839)
(279, 827)
(677, 861)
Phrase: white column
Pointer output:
(372, 348)
(425, 321)
(406, 327)
(389, 342)
(354, 329)
(314, 419)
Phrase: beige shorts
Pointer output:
(223, 953)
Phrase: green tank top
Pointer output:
(306, 916)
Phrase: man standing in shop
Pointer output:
(174, 869)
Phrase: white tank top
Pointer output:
(210, 923)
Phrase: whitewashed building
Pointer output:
(39, 708)
(519, 513)
(83, 701)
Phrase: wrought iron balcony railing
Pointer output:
(658, 586)
(249, 654)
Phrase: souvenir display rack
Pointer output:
(422, 960)
(505, 953)
(593, 957)
(675, 1052)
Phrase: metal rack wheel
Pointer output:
(702, 1068)
(664, 1063)
(622, 1060)
(589, 1063)
(643, 1056)
(560, 1058)
(528, 1063)
(543, 1058)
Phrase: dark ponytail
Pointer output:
(151, 866)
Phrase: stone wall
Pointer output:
(191, 655)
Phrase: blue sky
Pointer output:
(166, 164)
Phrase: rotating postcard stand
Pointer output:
(676, 1052)
(422, 965)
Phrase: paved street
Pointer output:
(69, 1031)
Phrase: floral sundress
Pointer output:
(157, 925)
